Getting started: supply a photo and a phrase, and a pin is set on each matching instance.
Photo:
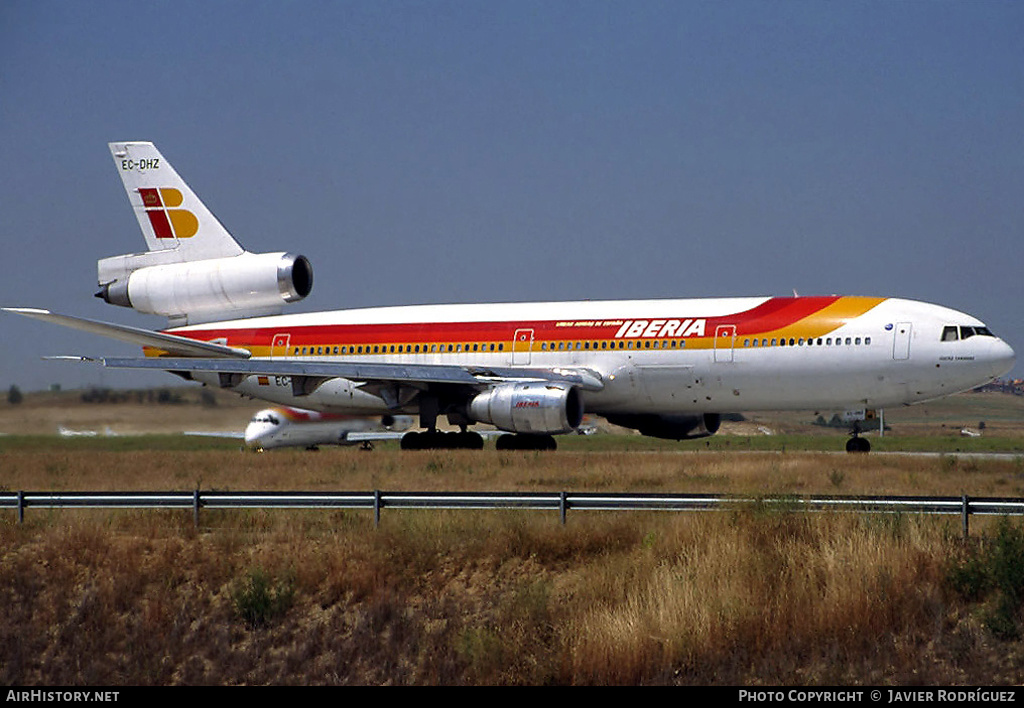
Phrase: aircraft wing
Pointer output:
(181, 346)
(354, 437)
(233, 434)
(306, 373)
(234, 364)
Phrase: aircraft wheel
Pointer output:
(412, 441)
(470, 440)
(858, 444)
(526, 442)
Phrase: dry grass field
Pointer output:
(753, 596)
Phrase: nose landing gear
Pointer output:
(858, 444)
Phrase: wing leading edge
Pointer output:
(233, 364)
(307, 376)
(172, 343)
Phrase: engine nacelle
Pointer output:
(537, 408)
(671, 427)
(199, 291)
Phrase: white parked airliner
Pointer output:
(283, 426)
(668, 368)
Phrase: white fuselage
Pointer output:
(290, 427)
(655, 356)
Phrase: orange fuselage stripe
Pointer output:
(803, 317)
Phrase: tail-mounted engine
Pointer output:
(536, 408)
(197, 291)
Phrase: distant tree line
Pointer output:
(99, 394)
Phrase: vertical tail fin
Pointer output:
(170, 215)
(194, 271)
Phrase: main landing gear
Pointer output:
(468, 440)
(438, 440)
(525, 442)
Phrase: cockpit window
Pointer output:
(952, 333)
(966, 332)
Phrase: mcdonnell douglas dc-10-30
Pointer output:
(668, 368)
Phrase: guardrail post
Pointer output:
(21, 507)
(376, 508)
(195, 508)
(563, 505)
(965, 512)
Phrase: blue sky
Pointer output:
(422, 152)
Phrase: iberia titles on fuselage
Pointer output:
(743, 354)
(667, 368)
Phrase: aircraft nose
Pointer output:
(253, 432)
(1003, 358)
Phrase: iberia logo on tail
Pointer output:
(168, 221)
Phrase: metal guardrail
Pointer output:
(562, 502)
